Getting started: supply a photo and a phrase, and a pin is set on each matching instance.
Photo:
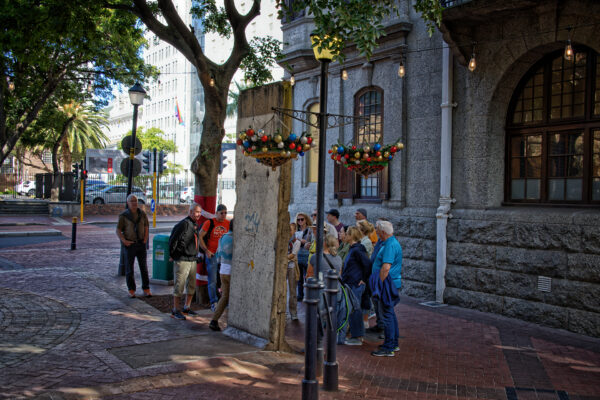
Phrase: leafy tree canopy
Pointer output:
(153, 138)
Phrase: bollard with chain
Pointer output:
(330, 373)
(310, 385)
(74, 234)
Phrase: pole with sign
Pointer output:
(154, 190)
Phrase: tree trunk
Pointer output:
(66, 155)
(206, 164)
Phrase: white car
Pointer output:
(114, 194)
(26, 188)
(187, 194)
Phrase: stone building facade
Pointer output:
(496, 195)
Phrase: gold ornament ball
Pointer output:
(242, 136)
(366, 155)
(366, 149)
(264, 149)
(379, 158)
(400, 146)
(306, 147)
(277, 139)
(357, 155)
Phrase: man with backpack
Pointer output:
(212, 230)
(183, 249)
(133, 231)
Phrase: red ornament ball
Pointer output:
(309, 140)
(394, 149)
(347, 156)
(378, 153)
(292, 145)
(353, 148)
(239, 142)
(330, 151)
(250, 132)
(264, 138)
(339, 157)
(369, 159)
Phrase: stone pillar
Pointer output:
(257, 302)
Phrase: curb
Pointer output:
(48, 232)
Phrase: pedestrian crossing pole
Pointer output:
(154, 189)
(82, 200)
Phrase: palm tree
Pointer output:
(81, 130)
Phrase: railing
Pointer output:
(453, 3)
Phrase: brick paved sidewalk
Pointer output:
(68, 330)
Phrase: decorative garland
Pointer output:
(364, 160)
(273, 150)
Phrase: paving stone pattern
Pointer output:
(69, 331)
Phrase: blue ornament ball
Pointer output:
(390, 157)
(292, 137)
(246, 143)
(377, 147)
(340, 150)
(257, 160)
(301, 154)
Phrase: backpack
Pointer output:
(347, 302)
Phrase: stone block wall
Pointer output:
(495, 259)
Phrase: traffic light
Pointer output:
(223, 158)
(84, 174)
(76, 170)
(162, 162)
(146, 160)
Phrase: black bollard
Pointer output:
(330, 366)
(74, 234)
(310, 385)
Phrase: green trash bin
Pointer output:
(162, 268)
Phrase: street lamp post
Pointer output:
(324, 56)
(136, 96)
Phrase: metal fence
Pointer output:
(17, 186)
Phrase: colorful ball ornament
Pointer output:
(366, 155)
(303, 140)
(386, 154)
(378, 154)
(357, 155)
(340, 150)
(264, 138)
(239, 142)
(390, 157)
(309, 140)
(277, 139)
(301, 154)
(376, 147)
(261, 132)
(243, 136)
(292, 137)
(338, 157)
(306, 147)
(366, 149)
(393, 149)
(280, 145)
(330, 151)
(292, 145)
(265, 149)
(346, 156)
(353, 148)
(253, 138)
(246, 143)
(368, 159)
(250, 132)
(400, 145)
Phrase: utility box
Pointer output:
(162, 268)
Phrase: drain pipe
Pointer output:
(443, 211)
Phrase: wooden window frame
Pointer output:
(586, 124)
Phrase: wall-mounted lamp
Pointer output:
(401, 69)
(292, 80)
(344, 74)
(212, 81)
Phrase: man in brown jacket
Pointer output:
(132, 230)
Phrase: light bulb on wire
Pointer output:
(401, 70)
(292, 80)
(344, 74)
(569, 53)
(212, 82)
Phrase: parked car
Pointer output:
(26, 188)
(187, 194)
(114, 194)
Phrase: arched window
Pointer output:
(553, 132)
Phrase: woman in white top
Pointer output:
(293, 272)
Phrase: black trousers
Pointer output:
(136, 250)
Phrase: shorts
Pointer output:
(182, 271)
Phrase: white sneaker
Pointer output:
(353, 342)
(366, 323)
(213, 307)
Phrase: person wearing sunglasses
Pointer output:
(305, 235)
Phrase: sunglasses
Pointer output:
(300, 219)
(313, 215)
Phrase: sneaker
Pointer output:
(382, 336)
(366, 324)
(375, 329)
(147, 293)
(294, 317)
(397, 348)
(213, 307)
(382, 353)
(214, 325)
(189, 311)
(353, 342)
(132, 294)
(177, 315)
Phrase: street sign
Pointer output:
(109, 165)
(137, 167)
(152, 205)
(126, 145)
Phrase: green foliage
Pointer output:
(264, 55)
(431, 12)
(338, 22)
(153, 138)
(214, 18)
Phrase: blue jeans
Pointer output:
(212, 267)
(355, 320)
(390, 329)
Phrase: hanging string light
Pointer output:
(11, 85)
(401, 68)
(292, 80)
(344, 74)
(569, 53)
(212, 81)
(472, 61)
